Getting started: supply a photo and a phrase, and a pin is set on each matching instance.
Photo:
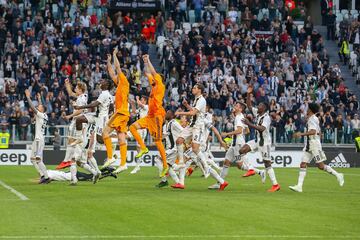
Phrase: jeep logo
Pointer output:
(278, 160)
(13, 158)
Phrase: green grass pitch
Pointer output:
(130, 207)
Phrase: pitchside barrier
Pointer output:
(336, 157)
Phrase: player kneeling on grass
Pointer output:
(39, 142)
(313, 149)
(232, 154)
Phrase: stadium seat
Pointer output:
(191, 16)
(339, 17)
(343, 11)
(346, 15)
(179, 31)
(265, 11)
(353, 11)
(355, 15)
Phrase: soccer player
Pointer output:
(81, 99)
(120, 118)
(56, 175)
(313, 149)
(155, 118)
(84, 153)
(141, 111)
(172, 130)
(238, 140)
(100, 118)
(39, 141)
(263, 138)
(195, 133)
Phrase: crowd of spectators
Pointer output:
(228, 49)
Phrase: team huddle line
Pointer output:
(186, 134)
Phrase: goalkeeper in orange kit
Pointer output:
(155, 117)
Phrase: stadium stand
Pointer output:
(220, 43)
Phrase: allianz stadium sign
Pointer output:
(135, 5)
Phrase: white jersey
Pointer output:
(105, 99)
(313, 142)
(197, 121)
(59, 175)
(239, 139)
(41, 120)
(81, 100)
(264, 137)
(89, 130)
(142, 111)
(172, 131)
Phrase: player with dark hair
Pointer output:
(313, 149)
(39, 141)
(262, 143)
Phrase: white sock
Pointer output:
(302, 174)
(173, 175)
(34, 162)
(198, 163)
(330, 170)
(213, 164)
(188, 163)
(88, 168)
(73, 171)
(159, 164)
(164, 179)
(182, 172)
(215, 175)
(93, 164)
(180, 150)
(271, 173)
(251, 167)
(42, 168)
(224, 172)
(245, 166)
(69, 153)
(203, 160)
(78, 134)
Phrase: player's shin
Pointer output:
(330, 170)
(137, 137)
(173, 175)
(109, 147)
(88, 168)
(180, 150)
(93, 164)
(182, 172)
(215, 175)
(73, 171)
(302, 174)
(43, 169)
(123, 152)
(224, 171)
(203, 161)
(270, 171)
(213, 164)
(34, 162)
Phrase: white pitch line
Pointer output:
(182, 236)
(19, 194)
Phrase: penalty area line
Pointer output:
(181, 236)
(17, 193)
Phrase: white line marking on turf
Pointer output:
(183, 236)
(19, 194)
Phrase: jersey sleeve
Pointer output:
(239, 123)
(266, 122)
(102, 98)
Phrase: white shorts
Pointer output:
(80, 154)
(171, 156)
(233, 154)
(100, 125)
(195, 134)
(72, 129)
(37, 148)
(317, 155)
(264, 150)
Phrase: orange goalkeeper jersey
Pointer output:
(156, 96)
(121, 95)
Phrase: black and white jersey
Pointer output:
(197, 121)
(313, 142)
(41, 120)
(239, 139)
(172, 131)
(264, 137)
